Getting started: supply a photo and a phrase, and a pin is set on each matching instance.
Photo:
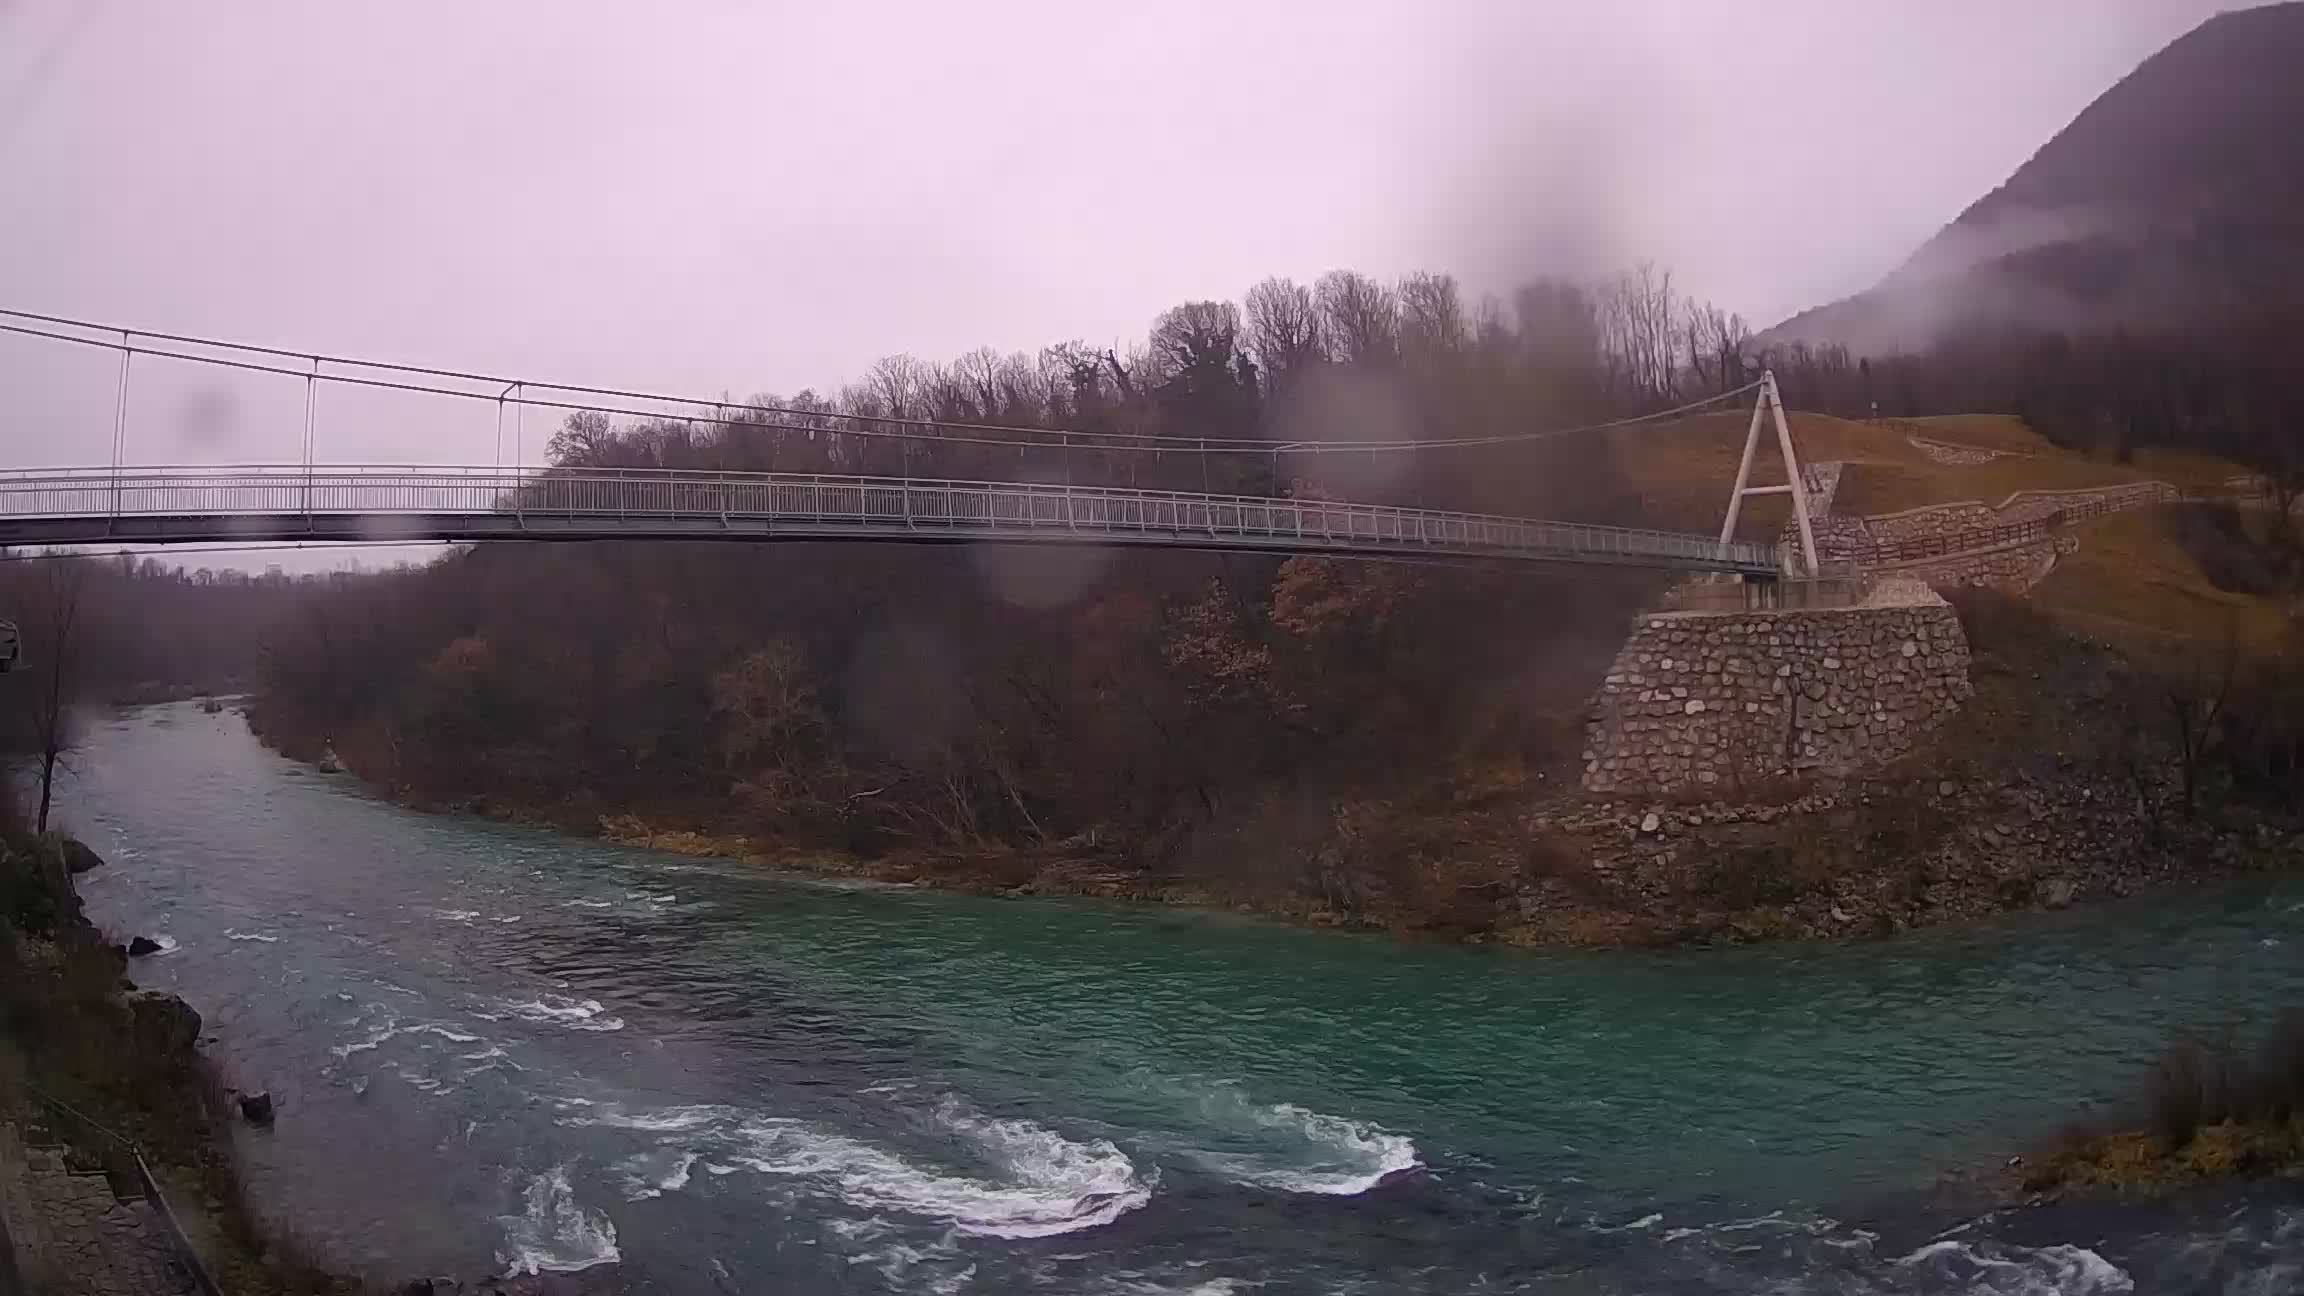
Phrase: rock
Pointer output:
(142, 946)
(162, 1025)
(2056, 893)
(1946, 788)
(1651, 822)
(256, 1108)
(77, 856)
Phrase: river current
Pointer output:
(498, 1049)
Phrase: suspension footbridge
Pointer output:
(143, 504)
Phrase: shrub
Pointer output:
(2201, 1083)
(2216, 536)
(36, 894)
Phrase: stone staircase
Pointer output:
(76, 1227)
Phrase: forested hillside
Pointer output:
(1176, 714)
(2137, 283)
(2176, 199)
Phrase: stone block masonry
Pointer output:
(1709, 701)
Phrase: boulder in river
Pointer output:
(162, 1025)
(257, 1108)
(78, 857)
(142, 946)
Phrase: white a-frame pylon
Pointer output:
(1770, 406)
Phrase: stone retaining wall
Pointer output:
(1711, 701)
(1959, 456)
(2023, 506)
(2014, 569)
(1933, 520)
(2008, 565)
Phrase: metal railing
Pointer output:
(121, 1156)
(1949, 544)
(272, 502)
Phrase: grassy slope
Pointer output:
(1682, 470)
(2130, 581)
(2133, 584)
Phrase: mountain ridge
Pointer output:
(2178, 193)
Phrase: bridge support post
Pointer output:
(1770, 407)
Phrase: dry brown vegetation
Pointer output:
(2210, 1108)
(2162, 581)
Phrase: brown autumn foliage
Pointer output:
(1169, 711)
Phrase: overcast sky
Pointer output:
(761, 197)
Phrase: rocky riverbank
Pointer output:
(1828, 858)
(125, 1063)
(2056, 783)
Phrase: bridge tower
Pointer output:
(1771, 407)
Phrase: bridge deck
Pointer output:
(145, 505)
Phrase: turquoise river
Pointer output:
(498, 1049)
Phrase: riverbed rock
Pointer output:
(78, 857)
(2056, 893)
(141, 946)
(161, 1025)
(1651, 823)
(257, 1108)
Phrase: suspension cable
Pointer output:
(825, 421)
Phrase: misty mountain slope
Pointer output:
(2177, 195)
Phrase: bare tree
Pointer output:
(1283, 329)
(583, 439)
(1432, 319)
(1199, 337)
(51, 620)
(1027, 391)
(767, 705)
(2195, 705)
(1716, 342)
(1639, 322)
(979, 373)
(1077, 371)
(1359, 318)
(901, 382)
